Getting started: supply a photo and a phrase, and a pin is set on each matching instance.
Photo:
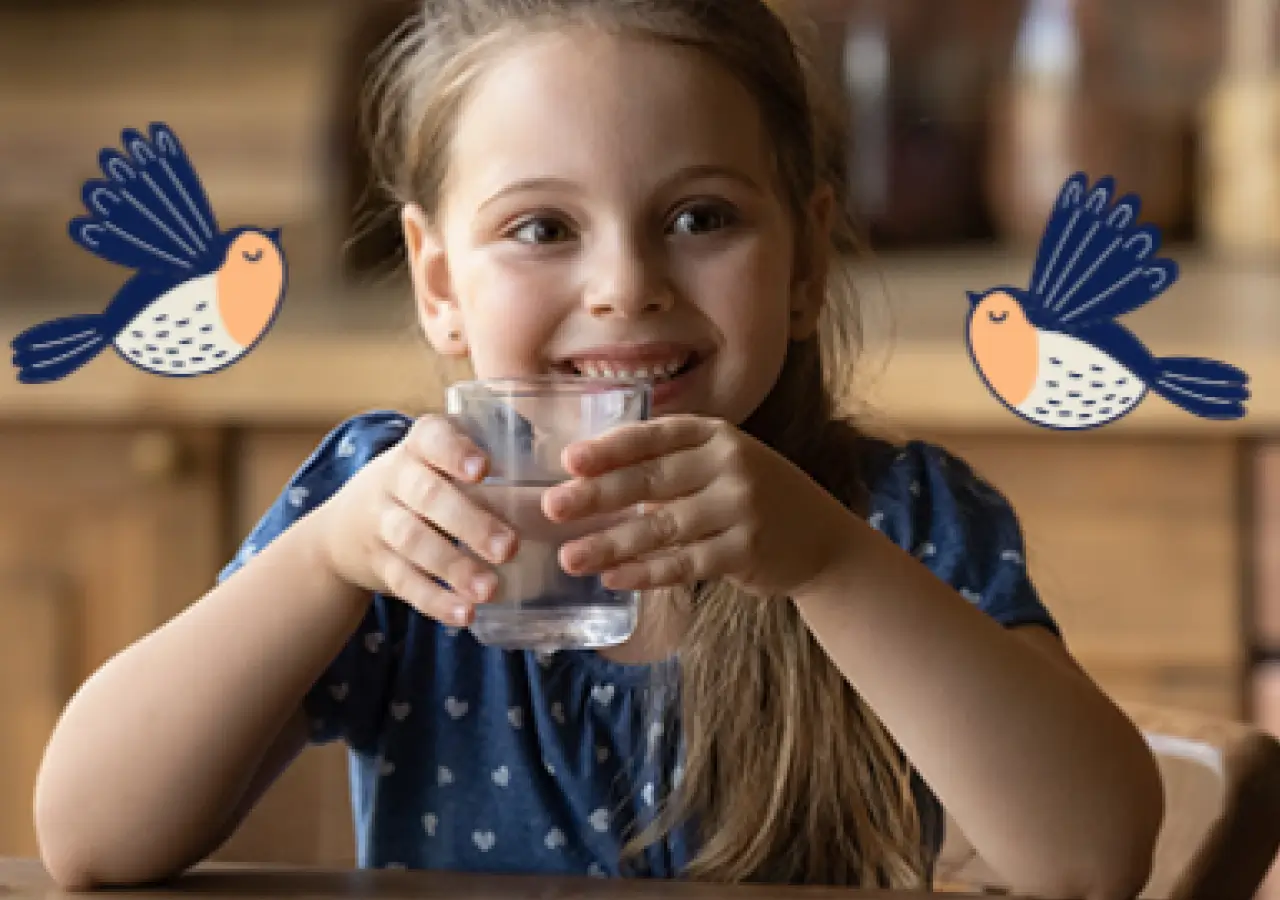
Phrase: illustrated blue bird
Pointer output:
(200, 298)
(1054, 353)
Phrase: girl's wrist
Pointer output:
(850, 549)
(317, 556)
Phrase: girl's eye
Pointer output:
(540, 230)
(702, 218)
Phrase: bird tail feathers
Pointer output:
(1203, 387)
(53, 350)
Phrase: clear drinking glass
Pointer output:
(524, 424)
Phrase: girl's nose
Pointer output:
(628, 286)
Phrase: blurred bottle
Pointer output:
(916, 76)
(1052, 116)
(1240, 200)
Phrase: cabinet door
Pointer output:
(1135, 545)
(105, 533)
(305, 817)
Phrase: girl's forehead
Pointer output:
(588, 106)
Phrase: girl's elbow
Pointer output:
(1124, 865)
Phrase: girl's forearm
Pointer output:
(156, 749)
(1049, 781)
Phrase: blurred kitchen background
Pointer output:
(1155, 541)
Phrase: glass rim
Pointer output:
(570, 385)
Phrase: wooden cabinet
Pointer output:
(105, 532)
(1134, 543)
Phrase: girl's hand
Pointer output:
(393, 525)
(717, 504)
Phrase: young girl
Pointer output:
(840, 638)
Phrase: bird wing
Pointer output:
(150, 211)
(1120, 344)
(1094, 262)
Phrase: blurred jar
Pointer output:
(915, 77)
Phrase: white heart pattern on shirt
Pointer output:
(484, 840)
(346, 447)
(456, 708)
(501, 776)
(602, 694)
(386, 767)
(647, 794)
(373, 641)
(555, 838)
(655, 732)
(595, 871)
(298, 496)
(602, 753)
(557, 712)
(444, 776)
(451, 631)
(551, 770)
(515, 715)
(971, 596)
(429, 823)
(599, 819)
(339, 691)
(399, 711)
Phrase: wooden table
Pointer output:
(23, 879)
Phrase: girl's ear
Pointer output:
(809, 291)
(438, 310)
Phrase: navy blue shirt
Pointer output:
(470, 758)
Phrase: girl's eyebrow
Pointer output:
(688, 173)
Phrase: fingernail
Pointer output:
(483, 586)
(460, 613)
(472, 466)
(560, 503)
(574, 557)
(500, 546)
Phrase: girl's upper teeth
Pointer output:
(594, 368)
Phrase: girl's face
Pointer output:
(611, 209)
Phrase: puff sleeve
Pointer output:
(934, 505)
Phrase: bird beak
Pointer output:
(974, 297)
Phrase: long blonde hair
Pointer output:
(796, 780)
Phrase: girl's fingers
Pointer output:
(661, 528)
(435, 441)
(629, 444)
(658, 480)
(418, 589)
(678, 566)
(433, 497)
(425, 549)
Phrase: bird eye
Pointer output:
(254, 256)
(998, 317)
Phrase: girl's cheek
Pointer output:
(511, 319)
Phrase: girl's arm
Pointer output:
(162, 751)
(1051, 783)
